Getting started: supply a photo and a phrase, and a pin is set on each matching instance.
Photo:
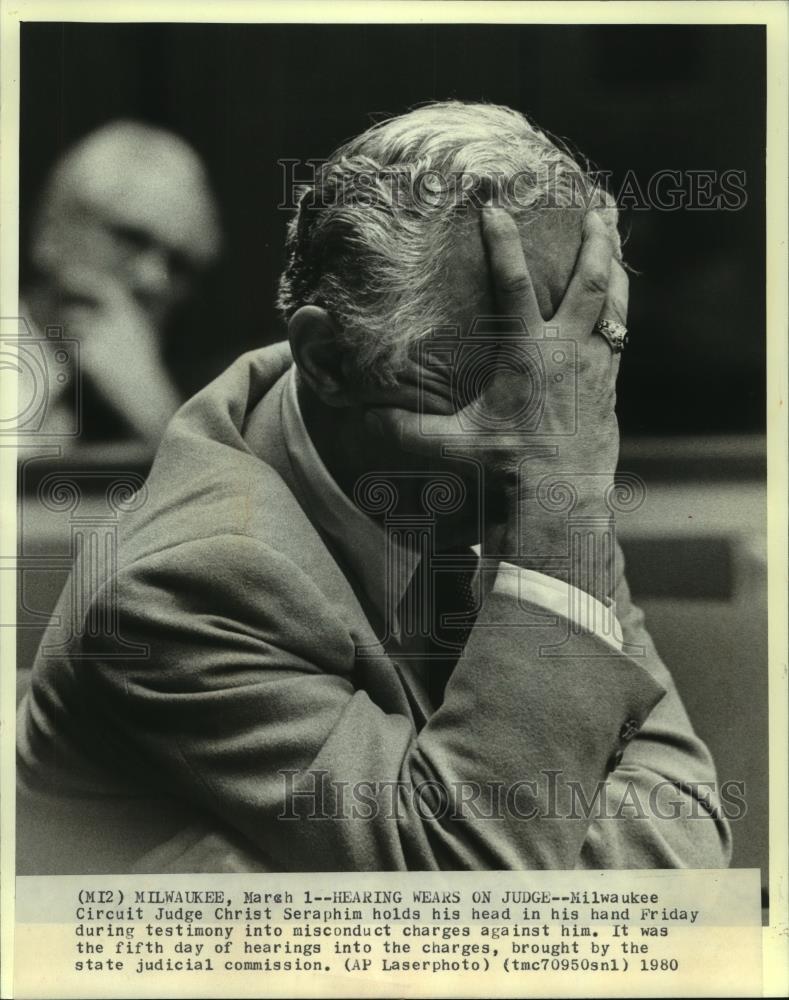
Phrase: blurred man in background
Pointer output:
(126, 223)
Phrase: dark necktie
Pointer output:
(447, 606)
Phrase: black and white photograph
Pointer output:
(391, 434)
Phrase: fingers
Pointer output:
(615, 306)
(510, 276)
(586, 294)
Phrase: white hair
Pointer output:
(370, 240)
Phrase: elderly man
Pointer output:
(370, 613)
(125, 225)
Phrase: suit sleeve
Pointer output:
(664, 810)
(249, 706)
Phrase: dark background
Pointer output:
(640, 98)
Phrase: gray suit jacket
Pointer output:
(243, 683)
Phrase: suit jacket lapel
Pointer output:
(394, 688)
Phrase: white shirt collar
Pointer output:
(361, 541)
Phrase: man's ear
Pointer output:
(321, 362)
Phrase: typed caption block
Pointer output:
(636, 933)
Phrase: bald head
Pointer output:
(131, 201)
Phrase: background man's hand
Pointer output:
(121, 351)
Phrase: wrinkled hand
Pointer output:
(576, 432)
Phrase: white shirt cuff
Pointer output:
(560, 598)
